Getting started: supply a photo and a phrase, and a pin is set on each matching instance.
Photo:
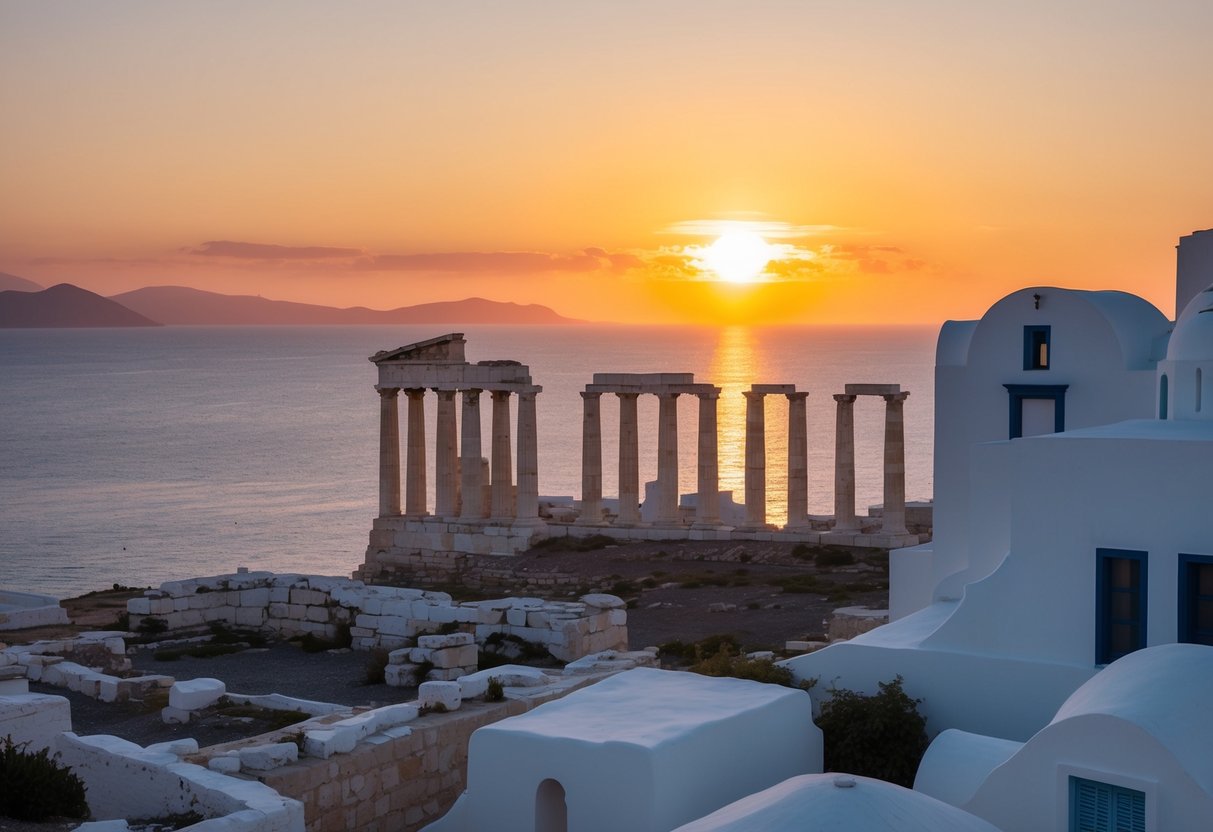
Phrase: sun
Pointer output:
(738, 256)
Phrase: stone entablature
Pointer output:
(379, 616)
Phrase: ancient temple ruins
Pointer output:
(482, 508)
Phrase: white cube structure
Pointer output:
(644, 750)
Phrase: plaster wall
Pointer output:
(34, 718)
(1104, 345)
(1030, 792)
(124, 780)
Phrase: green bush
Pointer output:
(881, 735)
(152, 626)
(34, 787)
(725, 663)
(495, 692)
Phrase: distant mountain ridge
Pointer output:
(10, 282)
(180, 305)
(65, 305)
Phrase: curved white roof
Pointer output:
(1164, 691)
(1192, 339)
(819, 802)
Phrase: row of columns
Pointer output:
(707, 511)
(458, 466)
(893, 520)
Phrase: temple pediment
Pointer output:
(445, 349)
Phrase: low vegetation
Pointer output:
(721, 655)
(880, 735)
(33, 787)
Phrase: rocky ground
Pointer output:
(762, 594)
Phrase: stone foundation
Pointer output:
(378, 616)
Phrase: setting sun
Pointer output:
(738, 256)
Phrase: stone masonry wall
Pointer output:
(378, 616)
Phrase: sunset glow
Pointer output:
(916, 163)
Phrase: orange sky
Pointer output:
(919, 159)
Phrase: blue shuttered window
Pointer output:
(1101, 807)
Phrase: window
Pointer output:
(1102, 807)
(1120, 603)
(1036, 395)
(1196, 599)
(1198, 390)
(1036, 348)
(551, 810)
(1162, 396)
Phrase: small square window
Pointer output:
(1036, 348)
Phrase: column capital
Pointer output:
(445, 395)
(497, 395)
(590, 395)
(753, 394)
(623, 395)
(387, 392)
(797, 397)
(844, 398)
(709, 394)
(414, 392)
(666, 394)
(471, 396)
(890, 398)
(527, 395)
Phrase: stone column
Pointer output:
(755, 460)
(591, 460)
(893, 520)
(471, 485)
(389, 452)
(629, 460)
(528, 459)
(798, 461)
(707, 509)
(415, 492)
(667, 458)
(502, 474)
(844, 465)
(446, 451)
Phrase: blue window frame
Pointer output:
(1018, 392)
(1196, 599)
(1120, 603)
(1036, 347)
(1102, 807)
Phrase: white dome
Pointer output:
(1192, 339)
(821, 802)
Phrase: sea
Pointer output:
(136, 456)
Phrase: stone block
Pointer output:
(250, 616)
(255, 597)
(617, 618)
(367, 622)
(280, 594)
(193, 694)
(400, 675)
(307, 597)
(139, 606)
(178, 748)
(266, 757)
(401, 656)
(398, 607)
(320, 614)
(393, 626)
(485, 615)
(603, 601)
(439, 695)
(277, 609)
(515, 617)
(227, 764)
(462, 656)
(437, 642)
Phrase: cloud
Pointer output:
(267, 251)
(501, 262)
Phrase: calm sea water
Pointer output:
(142, 455)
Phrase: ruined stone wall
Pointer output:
(378, 616)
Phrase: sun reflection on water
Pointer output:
(738, 362)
